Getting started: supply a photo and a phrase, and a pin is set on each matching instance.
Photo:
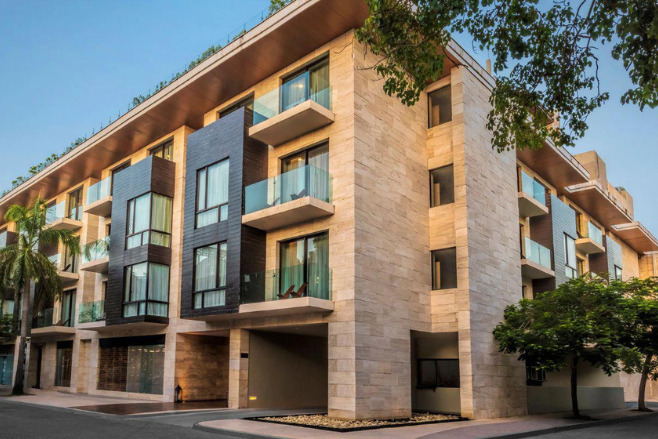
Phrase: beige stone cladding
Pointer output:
(493, 384)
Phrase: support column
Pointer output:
(238, 374)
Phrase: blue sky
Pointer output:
(69, 66)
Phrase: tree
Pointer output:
(545, 54)
(30, 274)
(576, 323)
(639, 309)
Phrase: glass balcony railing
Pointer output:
(43, 319)
(91, 312)
(99, 190)
(533, 188)
(289, 95)
(302, 182)
(56, 212)
(594, 233)
(64, 263)
(537, 253)
(96, 250)
(287, 283)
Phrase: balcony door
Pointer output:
(75, 205)
(306, 174)
(312, 83)
(68, 308)
(304, 264)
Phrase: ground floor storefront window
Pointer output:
(134, 364)
(6, 364)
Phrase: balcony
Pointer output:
(67, 268)
(536, 261)
(58, 219)
(96, 256)
(293, 197)
(290, 111)
(532, 197)
(47, 323)
(591, 242)
(99, 198)
(91, 315)
(285, 292)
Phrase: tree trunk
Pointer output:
(26, 330)
(574, 387)
(641, 406)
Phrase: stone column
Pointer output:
(238, 374)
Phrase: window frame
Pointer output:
(298, 238)
(161, 148)
(77, 192)
(313, 64)
(128, 280)
(574, 269)
(242, 102)
(429, 106)
(432, 193)
(433, 269)
(118, 168)
(70, 323)
(436, 362)
(217, 277)
(197, 212)
(150, 227)
(619, 272)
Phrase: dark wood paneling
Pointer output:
(152, 174)
(224, 139)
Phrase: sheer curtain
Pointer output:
(205, 268)
(161, 220)
(158, 289)
(292, 180)
(218, 298)
(294, 92)
(319, 85)
(318, 266)
(142, 213)
(318, 173)
(291, 271)
(213, 191)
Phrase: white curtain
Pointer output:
(161, 213)
(158, 289)
(319, 85)
(318, 173)
(318, 266)
(205, 268)
(218, 184)
(142, 213)
(294, 92)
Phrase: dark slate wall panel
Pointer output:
(564, 221)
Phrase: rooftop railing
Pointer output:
(307, 181)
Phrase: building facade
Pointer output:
(272, 229)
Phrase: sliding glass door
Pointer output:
(304, 266)
(306, 174)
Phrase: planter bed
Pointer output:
(323, 422)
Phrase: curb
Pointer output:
(524, 434)
(580, 426)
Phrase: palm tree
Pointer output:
(29, 273)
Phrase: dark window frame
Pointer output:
(305, 238)
(429, 106)
(437, 383)
(128, 280)
(436, 287)
(70, 323)
(150, 228)
(160, 148)
(432, 193)
(567, 262)
(242, 102)
(312, 65)
(619, 271)
(77, 193)
(197, 212)
(217, 288)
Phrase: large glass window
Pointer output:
(444, 269)
(68, 308)
(75, 205)
(164, 150)
(440, 107)
(149, 221)
(304, 266)
(210, 276)
(145, 369)
(212, 194)
(311, 82)
(442, 186)
(433, 373)
(298, 180)
(618, 273)
(146, 290)
(571, 261)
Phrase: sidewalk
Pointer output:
(525, 426)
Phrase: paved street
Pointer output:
(642, 427)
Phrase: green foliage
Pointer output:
(277, 5)
(544, 52)
(7, 327)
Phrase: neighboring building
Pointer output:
(272, 229)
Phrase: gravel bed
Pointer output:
(325, 422)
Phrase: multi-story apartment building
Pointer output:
(274, 230)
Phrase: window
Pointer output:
(210, 276)
(75, 205)
(580, 225)
(247, 103)
(115, 171)
(164, 150)
(534, 376)
(68, 309)
(63, 363)
(581, 267)
(146, 290)
(70, 262)
(571, 267)
(442, 186)
(440, 107)
(309, 83)
(306, 173)
(304, 266)
(438, 373)
(149, 221)
(444, 269)
(618, 273)
(212, 194)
